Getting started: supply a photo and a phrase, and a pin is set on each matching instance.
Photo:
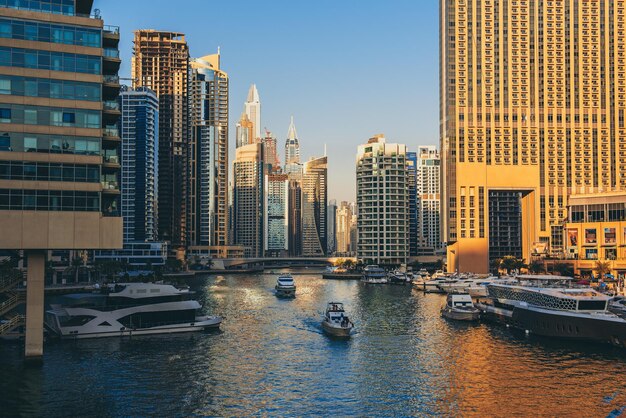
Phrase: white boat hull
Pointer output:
(201, 325)
(461, 314)
(285, 292)
(336, 331)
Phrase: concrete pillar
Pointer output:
(34, 304)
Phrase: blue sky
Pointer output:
(345, 69)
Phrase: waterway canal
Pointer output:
(272, 359)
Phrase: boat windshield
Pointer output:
(335, 307)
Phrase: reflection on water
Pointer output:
(271, 358)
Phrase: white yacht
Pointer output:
(127, 309)
(397, 277)
(374, 275)
(460, 307)
(336, 321)
(285, 286)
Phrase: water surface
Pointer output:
(271, 358)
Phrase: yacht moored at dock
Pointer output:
(460, 307)
(127, 309)
(285, 286)
(550, 306)
(336, 321)
(374, 275)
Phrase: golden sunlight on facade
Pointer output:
(532, 111)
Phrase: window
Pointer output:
(5, 115)
(69, 117)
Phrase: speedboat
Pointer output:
(374, 275)
(128, 309)
(460, 307)
(551, 306)
(336, 322)
(285, 286)
(618, 305)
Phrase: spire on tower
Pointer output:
(291, 133)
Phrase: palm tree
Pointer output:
(563, 269)
(496, 263)
(76, 263)
(536, 266)
(603, 268)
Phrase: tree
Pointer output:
(602, 268)
(495, 265)
(536, 266)
(563, 269)
(348, 264)
(77, 262)
(173, 264)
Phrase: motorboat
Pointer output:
(433, 285)
(437, 274)
(460, 307)
(374, 275)
(336, 321)
(128, 309)
(285, 286)
(551, 306)
(397, 277)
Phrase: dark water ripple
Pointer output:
(272, 359)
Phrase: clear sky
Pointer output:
(345, 69)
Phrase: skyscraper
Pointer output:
(244, 131)
(252, 108)
(428, 205)
(314, 206)
(414, 233)
(276, 207)
(382, 202)
(139, 126)
(208, 160)
(58, 112)
(248, 210)
(331, 213)
(272, 161)
(343, 222)
(532, 104)
(292, 151)
(161, 62)
(294, 223)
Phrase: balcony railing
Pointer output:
(111, 105)
(112, 79)
(111, 131)
(111, 29)
(113, 159)
(109, 185)
(111, 53)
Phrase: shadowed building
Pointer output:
(248, 210)
(59, 144)
(276, 199)
(532, 100)
(343, 225)
(161, 62)
(314, 207)
(207, 220)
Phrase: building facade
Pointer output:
(343, 224)
(248, 208)
(292, 151)
(207, 215)
(428, 202)
(139, 127)
(532, 98)
(160, 62)
(276, 198)
(252, 108)
(414, 233)
(58, 114)
(314, 207)
(382, 202)
(272, 160)
(331, 228)
(294, 223)
(244, 131)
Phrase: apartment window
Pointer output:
(5, 115)
(69, 117)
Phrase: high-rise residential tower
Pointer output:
(292, 151)
(272, 161)
(428, 185)
(331, 214)
(343, 222)
(248, 208)
(382, 202)
(59, 140)
(244, 131)
(252, 108)
(532, 101)
(276, 207)
(139, 126)
(161, 62)
(314, 207)
(414, 234)
(207, 215)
